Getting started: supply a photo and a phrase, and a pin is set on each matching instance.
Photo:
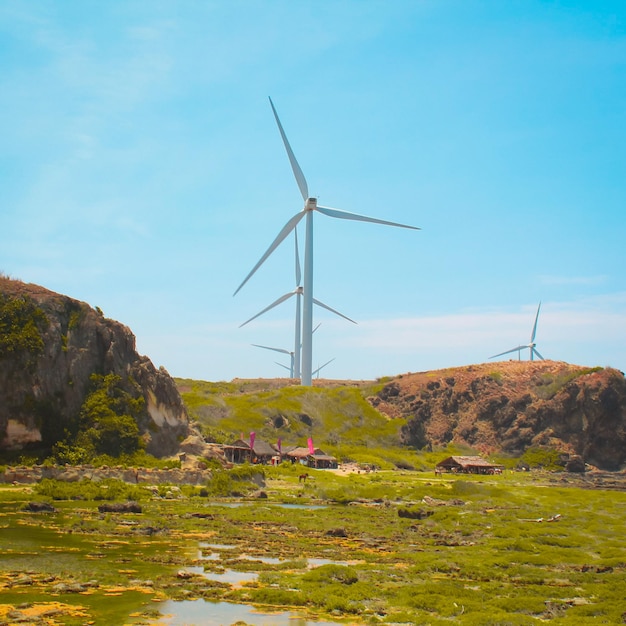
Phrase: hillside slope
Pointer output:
(504, 407)
(511, 406)
(331, 412)
(50, 346)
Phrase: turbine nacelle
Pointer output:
(311, 204)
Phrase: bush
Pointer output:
(546, 458)
(107, 424)
(21, 324)
(332, 574)
(109, 489)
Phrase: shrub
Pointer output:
(332, 574)
(109, 489)
(546, 458)
(107, 424)
(21, 325)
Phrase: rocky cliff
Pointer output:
(50, 346)
(512, 406)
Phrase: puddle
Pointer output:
(229, 576)
(269, 560)
(203, 613)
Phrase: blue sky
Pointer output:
(141, 171)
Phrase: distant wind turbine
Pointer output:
(298, 292)
(531, 345)
(283, 351)
(314, 373)
(310, 205)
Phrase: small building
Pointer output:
(238, 452)
(241, 451)
(467, 465)
(263, 452)
(319, 460)
(297, 455)
(316, 459)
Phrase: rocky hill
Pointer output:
(51, 346)
(512, 406)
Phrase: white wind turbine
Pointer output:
(315, 372)
(310, 205)
(531, 345)
(298, 292)
(291, 367)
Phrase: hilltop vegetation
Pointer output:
(338, 417)
(508, 409)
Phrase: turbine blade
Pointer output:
(287, 228)
(509, 351)
(344, 215)
(321, 367)
(532, 337)
(297, 172)
(256, 345)
(316, 327)
(537, 353)
(271, 306)
(283, 366)
(298, 272)
(325, 306)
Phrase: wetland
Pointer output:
(388, 547)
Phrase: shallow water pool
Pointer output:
(203, 613)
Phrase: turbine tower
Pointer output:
(298, 292)
(531, 345)
(310, 206)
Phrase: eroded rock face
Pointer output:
(43, 383)
(514, 405)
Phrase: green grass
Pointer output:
(481, 558)
(331, 416)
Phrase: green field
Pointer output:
(397, 547)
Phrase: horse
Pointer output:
(302, 478)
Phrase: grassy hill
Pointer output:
(293, 413)
(508, 409)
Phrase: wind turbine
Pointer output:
(292, 355)
(310, 206)
(298, 292)
(283, 351)
(314, 373)
(531, 345)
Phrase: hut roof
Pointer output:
(302, 452)
(262, 448)
(240, 443)
(465, 461)
(299, 453)
(323, 457)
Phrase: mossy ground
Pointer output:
(477, 551)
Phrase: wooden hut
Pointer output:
(317, 459)
(240, 451)
(467, 465)
(263, 452)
